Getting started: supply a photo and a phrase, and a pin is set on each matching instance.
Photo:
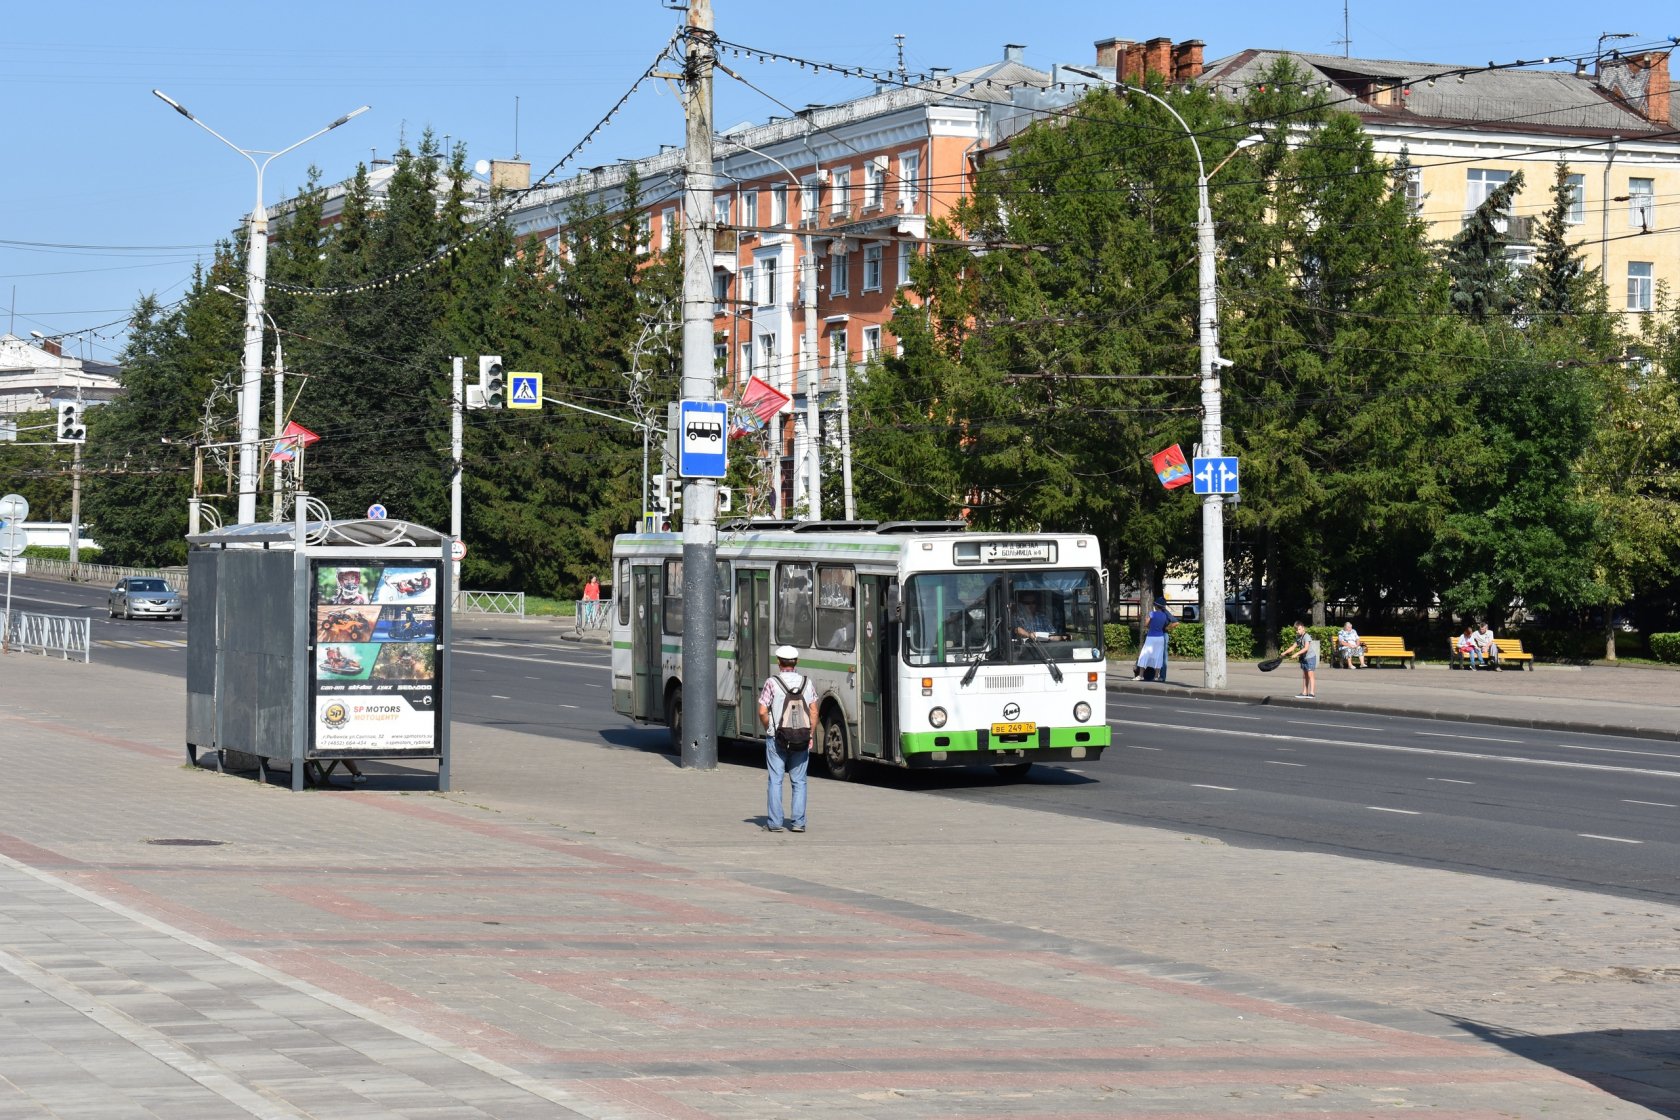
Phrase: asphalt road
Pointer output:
(1587, 812)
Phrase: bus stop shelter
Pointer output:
(313, 642)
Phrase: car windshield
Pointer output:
(148, 585)
(1004, 616)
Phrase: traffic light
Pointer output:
(71, 426)
(492, 380)
(659, 499)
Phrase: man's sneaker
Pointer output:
(772, 828)
(796, 828)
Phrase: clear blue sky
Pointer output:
(92, 159)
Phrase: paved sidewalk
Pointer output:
(583, 928)
(1598, 698)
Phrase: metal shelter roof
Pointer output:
(361, 533)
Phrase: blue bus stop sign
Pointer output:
(702, 439)
(1214, 476)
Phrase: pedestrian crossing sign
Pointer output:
(526, 390)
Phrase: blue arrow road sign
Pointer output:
(702, 437)
(1214, 476)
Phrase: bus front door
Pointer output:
(875, 668)
(752, 643)
(646, 624)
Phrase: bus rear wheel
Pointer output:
(673, 718)
(841, 767)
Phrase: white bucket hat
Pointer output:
(786, 653)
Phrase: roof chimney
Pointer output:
(1640, 81)
(1187, 61)
(510, 174)
(1110, 52)
(1012, 51)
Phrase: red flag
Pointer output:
(1171, 468)
(762, 399)
(296, 431)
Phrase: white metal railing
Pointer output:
(105, 574)
(47, 634)
(490, 602)
(592, 614)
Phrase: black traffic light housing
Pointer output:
(72, 428)
(492, 381)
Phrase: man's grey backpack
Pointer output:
(793, 727)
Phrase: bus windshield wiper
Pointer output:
(1032, 644)
(973, 668)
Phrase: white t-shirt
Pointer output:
(773, 697)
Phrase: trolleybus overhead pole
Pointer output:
(699, 382)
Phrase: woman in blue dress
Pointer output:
(1153, 655)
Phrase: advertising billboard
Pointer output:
(375, 689)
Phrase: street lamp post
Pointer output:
(1207, 293)
(279, 393)
(250, 386)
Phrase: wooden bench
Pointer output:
(1510, 653)
(1379, 647)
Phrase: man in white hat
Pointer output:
(786, 750)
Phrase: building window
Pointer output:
(720, 209)
(720, 358)
(749, 210)
(644, 232)
(1639, 286)
(839, 274)
(667, 227)
(910, 180)
(840, 198)
(1414, 189)
(746, 359)
(778, 205)
(837, 352)
(1480, 182)
(767, 282)
(905, 252)
(810, 198)
(1577, 200)
(767, 352)
(720, 293)
(871, 343)
(1641, 203)
(875, 183)
(871, 268)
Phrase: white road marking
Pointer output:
(1653, 804)
(1619, 750)
(1384, 809)
(1470, 756)
(1470, 738)
(571, 706)
(1454, 781)
(494, 696)
(1339, 726)
(1227, 789)
(1139, 747)
(537, 660)
(1275, 762)
(1612, 839)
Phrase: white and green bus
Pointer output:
(929, 646)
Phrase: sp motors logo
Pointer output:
(1012, 711)
(335, 715)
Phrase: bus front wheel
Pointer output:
(673, 718)
(840, 765)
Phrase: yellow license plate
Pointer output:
(1014, 728)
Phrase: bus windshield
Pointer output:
(953, 618)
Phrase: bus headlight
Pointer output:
(937, 717)
(1082, 711)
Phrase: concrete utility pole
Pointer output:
(456, 448)
(699, 382)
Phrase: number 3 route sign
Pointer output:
(1215, 476)
(701, 442)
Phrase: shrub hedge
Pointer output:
(1665, 647)
(1183, 640)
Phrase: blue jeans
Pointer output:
(779, 761)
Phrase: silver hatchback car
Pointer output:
(145, 597)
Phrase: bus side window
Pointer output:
(622, 592)
(725, 595)
(795, 594)
(673, 597)
(836, 607)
